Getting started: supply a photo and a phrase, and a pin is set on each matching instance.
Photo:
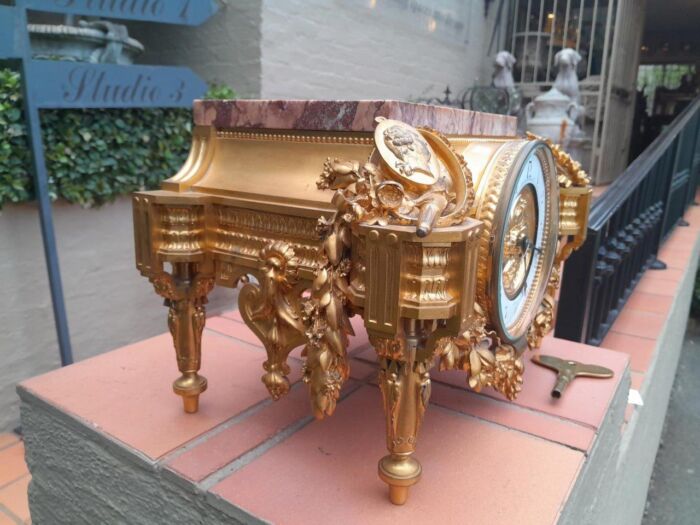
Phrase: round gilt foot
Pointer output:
(399, 472)
(191, 403)
(398, 495)
(189, 385)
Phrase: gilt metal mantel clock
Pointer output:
(439, 227)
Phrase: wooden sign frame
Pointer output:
(64, 84)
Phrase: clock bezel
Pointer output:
(516, 333)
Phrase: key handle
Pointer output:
(567, 370)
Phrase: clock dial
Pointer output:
(519, 204)
(524, 238)
(519, 243)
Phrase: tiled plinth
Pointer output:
(107, 441)
(243, 455)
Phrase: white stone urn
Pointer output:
(552, 115)
(98, 41)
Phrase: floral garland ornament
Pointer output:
(326, 319)
(480, 353)
(544, 319)
(569, 171)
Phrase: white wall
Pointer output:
(109, 304)
(223, 50)
(331, 49)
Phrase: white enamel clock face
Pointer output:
(527, 240)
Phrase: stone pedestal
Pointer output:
(107, 442)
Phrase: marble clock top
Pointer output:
(346, 115)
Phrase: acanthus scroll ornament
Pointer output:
(272, 310)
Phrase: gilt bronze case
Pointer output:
(439, 227)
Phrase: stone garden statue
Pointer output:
(558, 113)
(566, 82)
(503, 79)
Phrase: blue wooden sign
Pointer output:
(181, 12)
(56, 84)
(64, 84)
(10, 40)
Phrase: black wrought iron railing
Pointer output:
(627, 225)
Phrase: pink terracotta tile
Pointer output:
(586, 400)
(675, 258)
(649, 302)
(639, 323)
(14, 498)
(639, 349)
(681, 239)
(636, 379)
(361, 369)
(368, 354)
(651, 284)
(296, 353)
(233, 329)
(229, 444)
(7, 439)
(130, 391)
(675, 275)
(681, 245)
(692, 215)
(688, 233)
(234, 315)
(360, 339)
(512, 416)
(12, 465)
(468, 465)
(694, 224)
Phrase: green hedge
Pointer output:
(92, 155)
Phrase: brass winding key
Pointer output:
(567, 371)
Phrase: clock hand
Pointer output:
(528, 244)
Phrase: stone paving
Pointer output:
(14, 479)
(675, 483)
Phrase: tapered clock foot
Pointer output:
(399, 472)
(405, 385)
(189, 386)
(185, 293)
(191, 404)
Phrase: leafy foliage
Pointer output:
(92, 155)
(220, 92)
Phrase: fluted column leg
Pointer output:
(405, 386)
(185, 294)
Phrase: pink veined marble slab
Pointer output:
(346, 115)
